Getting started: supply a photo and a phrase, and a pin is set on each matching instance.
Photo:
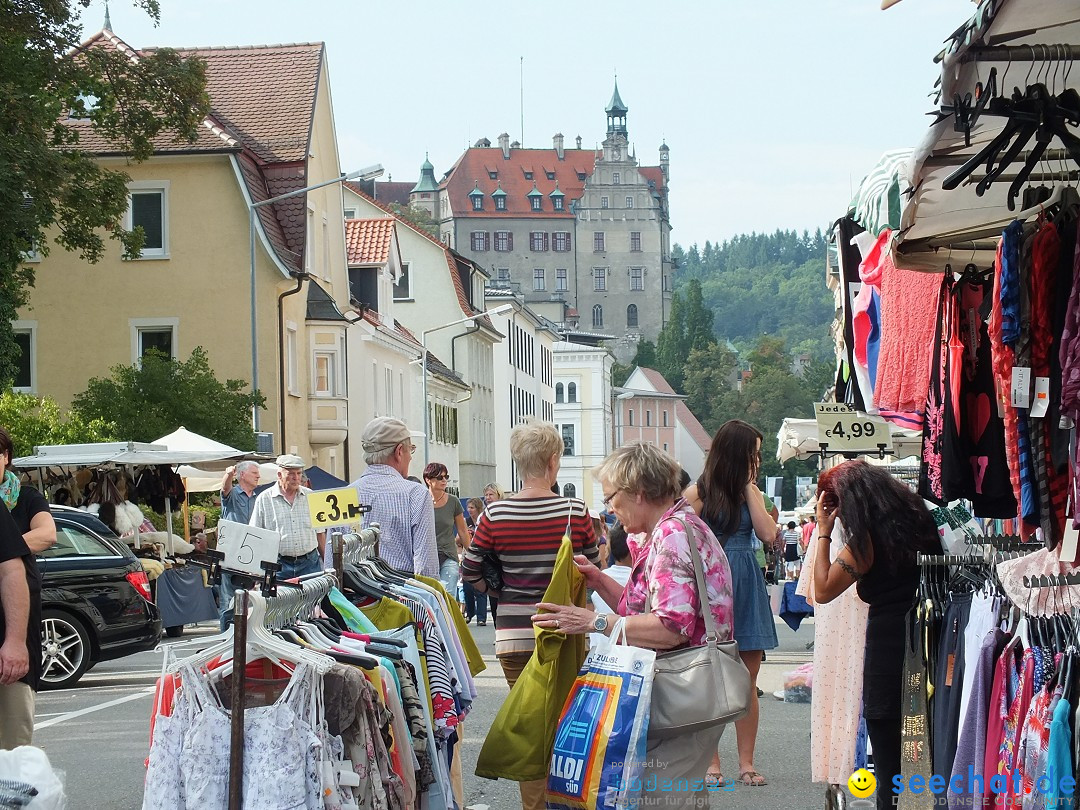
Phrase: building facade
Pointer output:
(584, 417)
(587, 227)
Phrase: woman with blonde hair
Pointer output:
(524, 532)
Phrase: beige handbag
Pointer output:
(698, 687)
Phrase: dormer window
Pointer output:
(500, 203)
(493, 174)
(550, 175)
(581, 176)
(478, 203)
(535, 203)
(557, 203)
(528, 175)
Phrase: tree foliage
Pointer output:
(51, 191)
(417, 216)
(690, 326)
(32, 422)
(154, 398)
(763, 284)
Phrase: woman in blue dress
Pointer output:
(727, 498)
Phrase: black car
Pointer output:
(95, 600)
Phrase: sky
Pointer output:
(773, 110)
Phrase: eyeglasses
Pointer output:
(607, 498)
(439, 478)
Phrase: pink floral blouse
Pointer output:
(662, 580)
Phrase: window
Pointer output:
(478, 202)
(560, 241)
(504, 241)
(598, 242)
(528, 175)
(568, 440)
(503, 274)
(538, 241)
(478, 240)
(605, 202)
(148, 209)
(539, 278)
(535, 202)
(665, 421)
(493, 174)
(25, 365)
(569, 491)
(500, 203)
(557, 203)
(631, 317)
(637, 278)
(153, 333)
(616, 179)
(582, 176)
(648, 418)
(558, 393)
(630, 416)
(74, 541)
(290, 359)
(629, 202)
(635, 241)
(402, 292)
(560, 279)
(600, 279)
(325, 374)
(350, 213)
(571, 392)
(665, 447)
(550, 175)
(597, 316)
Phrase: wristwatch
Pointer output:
(600, 623)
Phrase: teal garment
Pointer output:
(353, 616)
(1059, 756)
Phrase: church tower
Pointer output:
(425, 194)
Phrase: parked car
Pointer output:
(96, 602)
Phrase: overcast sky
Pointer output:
(774, 110)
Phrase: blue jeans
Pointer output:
(226, 592)
(310, 563)
(448, 576)
(476, 603)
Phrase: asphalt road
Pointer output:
(98, 734)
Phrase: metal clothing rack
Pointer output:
(1052, 580)
(354, 547)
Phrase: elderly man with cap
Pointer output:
(283, 508)
(402, 508)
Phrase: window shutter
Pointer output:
(510, 241)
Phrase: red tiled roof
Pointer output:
(687, 419)
(657, 380)
(656, 174)
(367, 241)
(391, 191)
(472, 171)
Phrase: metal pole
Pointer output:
(239, 678)
(424, 371)
(254, 331)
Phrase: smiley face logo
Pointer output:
(861, 783)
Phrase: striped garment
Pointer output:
(525, 535)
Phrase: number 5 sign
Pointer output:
(246, 547)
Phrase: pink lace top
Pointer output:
(662, 580)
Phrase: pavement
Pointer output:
(97, 734)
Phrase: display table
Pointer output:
(182, 597)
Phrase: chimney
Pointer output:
(578, 141)
(557, 141)
(504, 144)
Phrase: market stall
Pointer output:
(114, 471)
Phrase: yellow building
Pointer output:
(270, 132)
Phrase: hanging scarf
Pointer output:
(9, 489)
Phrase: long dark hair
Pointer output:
(733, 462)
(880, 512)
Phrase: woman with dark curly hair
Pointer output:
(885, 526)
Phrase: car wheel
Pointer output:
(175, 631)
(65, 649)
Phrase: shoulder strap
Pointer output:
(711, 633)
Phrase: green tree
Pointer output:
(51, 191)
(159, 395)
(416, 216)
(708, 377)
(671, 350)
(32, 422)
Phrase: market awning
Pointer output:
(878, 203)
(1025, 41)
(82, 455)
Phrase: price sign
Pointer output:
(246, 547)
(334, 507)
(846, 430)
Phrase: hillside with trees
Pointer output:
(764, 284)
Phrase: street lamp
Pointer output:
(423, 344)
(370, 173)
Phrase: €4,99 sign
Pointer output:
(845, 430)
(247, 547)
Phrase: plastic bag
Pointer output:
(599, 748)
(799, 684)
(27, 765)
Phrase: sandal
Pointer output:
(714, 780)
(752, 779)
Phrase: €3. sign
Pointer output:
(842, 429)
(334, 507)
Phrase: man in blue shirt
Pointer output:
(237, 501)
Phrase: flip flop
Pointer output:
(752, 779)
(714, 780)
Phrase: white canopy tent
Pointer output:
(1025, 41)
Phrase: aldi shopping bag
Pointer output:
(600, 740)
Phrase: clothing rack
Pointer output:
(354, 547)
(297, 601)
(1052, 580)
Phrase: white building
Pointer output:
(436, 288)
(523, 375)
(583, 414)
